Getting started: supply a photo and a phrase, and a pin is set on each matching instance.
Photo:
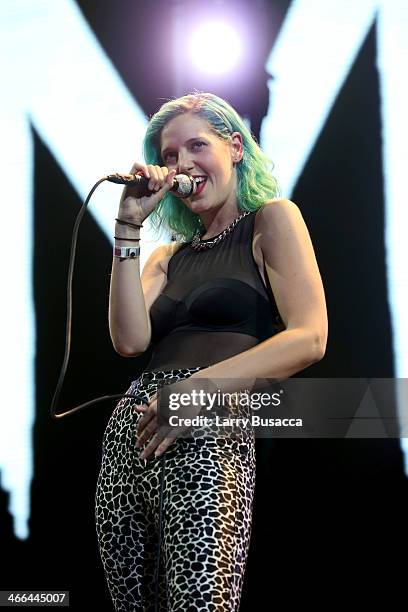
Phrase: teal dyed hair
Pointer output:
(255, 182)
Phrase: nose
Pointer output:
(185, 163)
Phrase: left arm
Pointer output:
(297, 286)
(298, 290)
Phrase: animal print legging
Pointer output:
(206, 514)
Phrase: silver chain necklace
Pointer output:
(200, 245)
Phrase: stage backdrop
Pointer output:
(322, 85)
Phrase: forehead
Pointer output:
(182, 128)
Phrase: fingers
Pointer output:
(163, 446)
(160, 176)
(148, 423)
(170, 177)
(148, 431)
(159, 444)
(141, 169)
(157, 177)
(148, 427)
(142, 408)
(149, 413)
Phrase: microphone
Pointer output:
(183, 184)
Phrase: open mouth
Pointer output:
(200, 182)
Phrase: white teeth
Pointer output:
(200, 179)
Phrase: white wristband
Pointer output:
(126, 252)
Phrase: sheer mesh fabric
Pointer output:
(198, 348)
(214, 305)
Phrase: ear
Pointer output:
(237, 147)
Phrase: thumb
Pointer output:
(169, 181)
(141, 407)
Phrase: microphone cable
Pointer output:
(57, 392)
(185, 185)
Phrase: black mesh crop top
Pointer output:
(214, 304)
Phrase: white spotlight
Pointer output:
(215, 48)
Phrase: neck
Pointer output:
(215, 221)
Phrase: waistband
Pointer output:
(151, 374)
(149, 378)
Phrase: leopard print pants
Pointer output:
(205, 529)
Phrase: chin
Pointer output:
(200, 205)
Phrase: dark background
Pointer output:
(329, 514)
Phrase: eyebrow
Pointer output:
(186, 142)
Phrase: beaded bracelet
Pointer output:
(122, 222)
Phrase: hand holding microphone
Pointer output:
(183, 184)
(146, 186)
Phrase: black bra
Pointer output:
(218, 289)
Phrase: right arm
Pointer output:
(130, 298)
(131, 294)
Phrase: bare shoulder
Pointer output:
(271, 220)
(275, 211)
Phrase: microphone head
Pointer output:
(185, 185)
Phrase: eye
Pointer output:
(169, 156)
(199, 144)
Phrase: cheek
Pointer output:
(217, 167)
(225, 173)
